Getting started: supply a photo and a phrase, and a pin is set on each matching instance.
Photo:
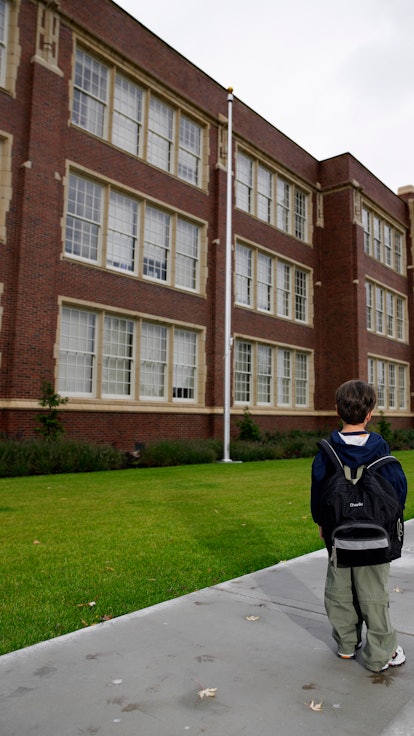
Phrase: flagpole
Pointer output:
(228, 341)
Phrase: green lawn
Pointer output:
(125, 540)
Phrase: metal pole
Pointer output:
(228, 341)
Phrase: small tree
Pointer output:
(50, 424)
(248, 429)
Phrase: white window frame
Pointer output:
(244, 275)
(78, 352)
(128, 115)
(90, 93)
(118, 364)
(184, 365)
(244, 182)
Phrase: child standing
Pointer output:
(354, 595)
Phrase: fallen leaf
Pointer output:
(314, 706)
(398, 590)
(36, 541)
(208, 692)
(252, 618)
(106, 617)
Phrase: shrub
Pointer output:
(50, 425)
(35, 457)
(248, 429)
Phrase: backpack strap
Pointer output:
(376, 464)
(329, 450)
(352, 475)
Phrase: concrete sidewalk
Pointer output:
(262, 641)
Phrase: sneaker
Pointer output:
(341, 655)
(397, 659)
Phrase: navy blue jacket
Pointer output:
(354, 456)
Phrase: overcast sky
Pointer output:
(333, 75)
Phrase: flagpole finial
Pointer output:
(230, 90)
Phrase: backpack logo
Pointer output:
(361, 518)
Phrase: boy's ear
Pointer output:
(369, 416)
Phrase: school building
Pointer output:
(113, 198)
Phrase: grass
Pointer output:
(124, 540)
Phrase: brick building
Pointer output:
(113, 190)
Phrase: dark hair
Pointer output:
(354, 400)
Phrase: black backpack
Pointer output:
(361, 517)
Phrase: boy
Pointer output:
(357, 594)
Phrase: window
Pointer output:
(301, 383)
(255, 186)
(398, 252)
(281, 375)
(301, 280)
(83, 222)
(156, 244)
(189, 151)
(243, 275)
(382, 240)
(98, 352)
(264, 283)
(153, 373)
(379, 310)
(366, 223)
(242, 372)
(264, 374)
(122, 235)
(244, 182)
(292, 300)
(385, 312)
(4, 27)
(370, 301)
(160, 134)
(185, 366)
(113, 106)
(187, 255)
(103, 227)
(127, 115)
(264, 194)
(117, 369)
(283, 205)
(90, 94)
(284, 377)
(77, 359)
(390, 381)
(387, 245)
(300, 215)
(377, 239)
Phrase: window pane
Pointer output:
(242, 372)
(264, 282)
(300, 215)
(243, 275)
(157, 244)
(160, 134)
(77, 352)
(284, 378)
(301, 379)
(264, 374)
(122, 232)
(127, 117)
(83, 222)
(189, 151)
(186, 263)
(300, 295)
(244, 182)
(283, 289)
(184, 382)
(90, 93)
(264, 194)
(153, 368)
(117, 358)
(283, 205)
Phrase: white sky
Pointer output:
(333, 75)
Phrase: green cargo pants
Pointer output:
(354, 595)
